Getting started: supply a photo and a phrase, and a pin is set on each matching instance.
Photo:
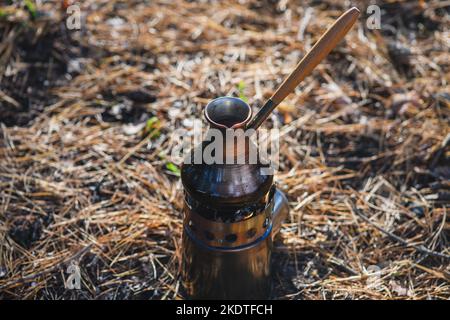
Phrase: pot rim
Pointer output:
(229, 101)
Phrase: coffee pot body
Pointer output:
(232, 211)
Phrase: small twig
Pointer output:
(5, 97)
(133, 150)
(49, 270)
(419, 248)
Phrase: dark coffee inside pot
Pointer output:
(227, 112)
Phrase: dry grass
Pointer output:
(365, 145)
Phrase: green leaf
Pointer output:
(241, 88)
(152, 128)
(31, 7)
(173, 168)
(151, 123)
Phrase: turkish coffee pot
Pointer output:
(232, 209)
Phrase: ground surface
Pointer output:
(86, 121)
